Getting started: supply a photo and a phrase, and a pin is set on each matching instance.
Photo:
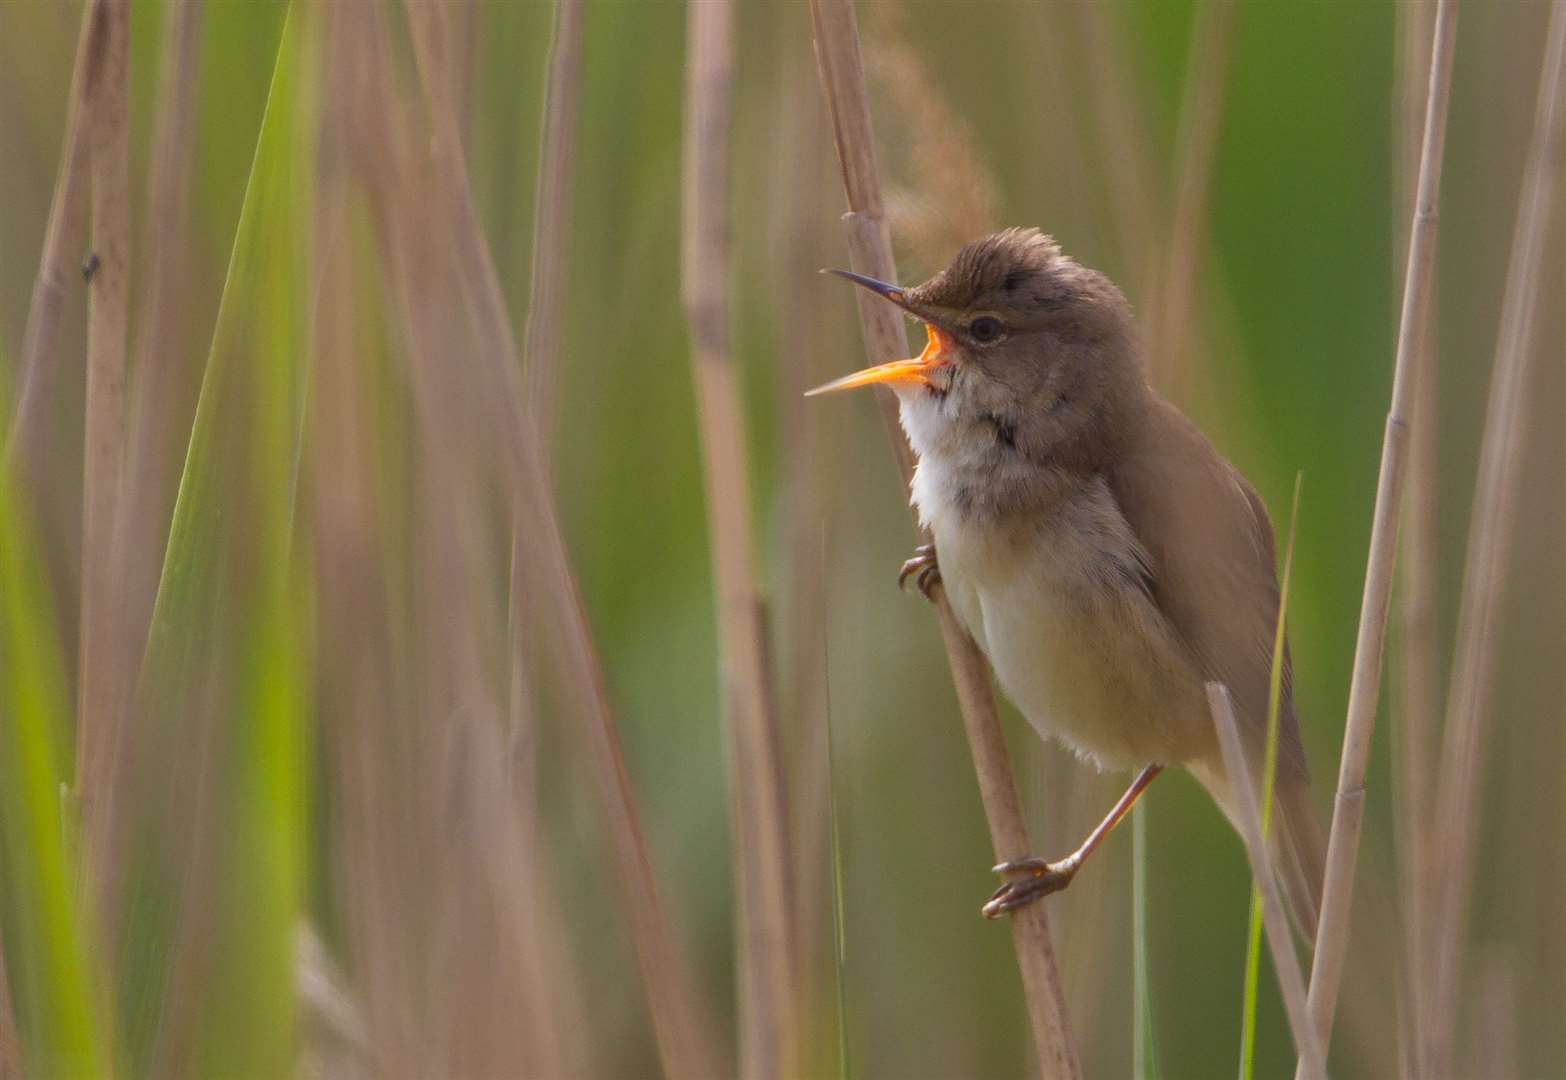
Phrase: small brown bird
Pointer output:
(1104, 556)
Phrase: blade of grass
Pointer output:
(842, 79)
(230, 621)
(1269, 774)
(1285, 962)
(49, 965)
(1492, 529)
(839, 910)
(759, 839)
(1144, 1035)
(1365, 683)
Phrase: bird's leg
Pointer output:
(1037, 878)
(923, 563)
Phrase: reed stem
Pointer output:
(103, 662)
(1492, 530)
(759, 834)
(1365, 684)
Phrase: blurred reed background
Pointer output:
(361, 696)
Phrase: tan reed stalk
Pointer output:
(799, 229)
(1416, 705)
(1120, 134)
(842, 79)
(1365, 685)
(1493, 1052)
(1201, 113)
(542, 345)
(1492, 528)
(59, 268)
(684, 1032)
(554, 197)
(1285, 961)
(103, 663)
(165, 383)
(759, 834)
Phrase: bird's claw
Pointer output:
(924, 565)
(1036, 879)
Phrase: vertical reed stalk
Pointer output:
(1416, 705)
(683, 1030)
(1201, 112)
(758, 825)
(554, 197)
(102, 664)
(163, 394)
(58, 268)
(1365, 684)
(542, 345)
(1120, 133)
(842, 79)
(1286, 962)
(1492, 528)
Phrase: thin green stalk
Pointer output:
(1144, 1046)
(1269, 774)
(839, 930)
(53, 994)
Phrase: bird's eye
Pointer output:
(985, 329)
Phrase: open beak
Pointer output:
(937, 350)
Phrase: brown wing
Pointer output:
(1210, 546)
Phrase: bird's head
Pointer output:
(1026, 347)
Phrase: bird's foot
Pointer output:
(924, 565)
(1035, 879)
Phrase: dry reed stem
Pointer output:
(1365, 685)
(684, 1032)
(1285, 961)
(1492, 529)
(1120, 133)
(59, 267)
(1494, 1050)
(799, 230)
(1201, 113)
(554, 197)
(103, 663)
(542, 345)
(759, 834)
(1417, 702)
(163, 394)
(842, 78)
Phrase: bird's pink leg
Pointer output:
(1037, 878)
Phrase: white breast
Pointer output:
(1075, 640)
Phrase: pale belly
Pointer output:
(1077, 645)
